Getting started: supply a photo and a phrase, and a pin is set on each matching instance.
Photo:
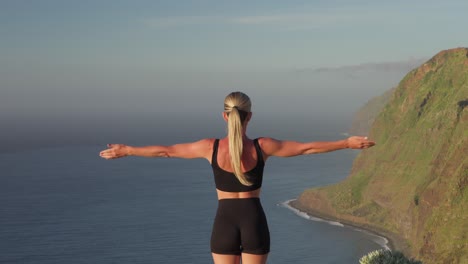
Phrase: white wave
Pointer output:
(306, 216)
(380, 240)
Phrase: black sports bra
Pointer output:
(227, 181)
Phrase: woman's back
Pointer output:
(251, 164)
(249, 155)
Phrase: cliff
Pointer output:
(412, 186)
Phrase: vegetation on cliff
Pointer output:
(413, 183)
(386, 257)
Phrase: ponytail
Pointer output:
(237, 105)
(236, 145)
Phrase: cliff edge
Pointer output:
(412, 186)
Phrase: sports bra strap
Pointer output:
(259, 151)
(215, 152)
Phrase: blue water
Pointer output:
(67, 205)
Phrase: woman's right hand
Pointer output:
(114, 151)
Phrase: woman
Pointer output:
(240, 230)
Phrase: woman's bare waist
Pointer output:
(237, 195)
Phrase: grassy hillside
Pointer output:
(412, 185)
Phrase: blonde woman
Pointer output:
(240, 230)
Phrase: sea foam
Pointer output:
(306, 216)
(380, 240)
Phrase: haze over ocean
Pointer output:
(139, 116)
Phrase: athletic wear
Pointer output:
(227, 181)
(240, 226)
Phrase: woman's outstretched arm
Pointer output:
(198, 149)
(280, 148)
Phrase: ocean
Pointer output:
(67, 205)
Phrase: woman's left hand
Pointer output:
(359, 142)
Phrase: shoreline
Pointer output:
(393, 242)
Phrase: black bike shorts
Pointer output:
(240, 226)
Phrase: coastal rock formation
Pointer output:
(412, 186)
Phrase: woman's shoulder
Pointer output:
(206, 141)
(269, 145)
(204, 145)
(266, 140)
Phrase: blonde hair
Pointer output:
(237, 105)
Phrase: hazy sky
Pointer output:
(93, 60)
(221, 35)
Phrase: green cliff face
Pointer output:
(413, 184)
